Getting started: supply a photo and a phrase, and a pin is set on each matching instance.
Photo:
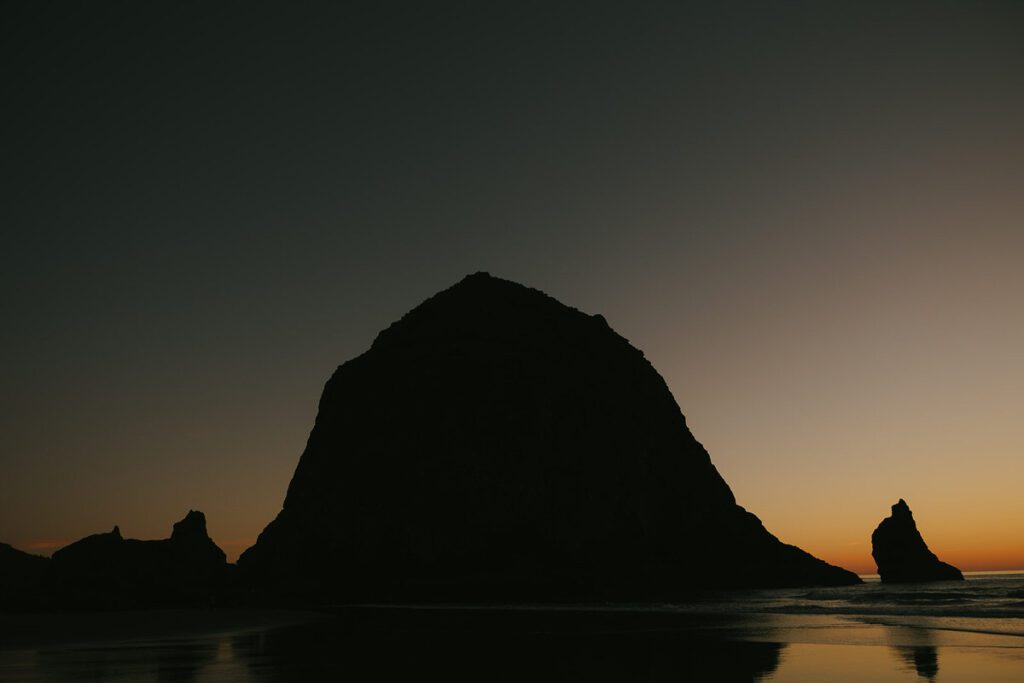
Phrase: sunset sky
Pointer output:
(810, 219)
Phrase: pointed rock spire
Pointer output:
(901, 554)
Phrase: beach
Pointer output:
(964, 631)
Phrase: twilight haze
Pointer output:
(811, 221)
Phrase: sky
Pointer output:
(809, 216)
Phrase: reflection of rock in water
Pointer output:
(924, 659)
(915, 648)
(334, 650)
(165, 661)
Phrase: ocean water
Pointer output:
(985, 603)
(970, 631)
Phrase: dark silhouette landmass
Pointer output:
(21, 577)
(495, 444)
(902, 555)
(106, 570)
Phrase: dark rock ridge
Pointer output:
(497, 444)
(106, 570)
(21, 576)
(902, 555)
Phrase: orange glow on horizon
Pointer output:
(857, 559)
(967, 562)
(45, 544)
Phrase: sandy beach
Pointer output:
(532, 643)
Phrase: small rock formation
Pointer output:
(902, 555)
(21, 576)
(495, 444)
(192, 544)
(106, 570)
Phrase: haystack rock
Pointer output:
(497, 444)
(109, 570)
(901, 554)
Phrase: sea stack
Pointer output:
(901, 554)
(495, 444)
(108, 570)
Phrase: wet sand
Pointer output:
(40, 630)
(494, 644)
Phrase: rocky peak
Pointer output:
(495, 443)
(106, 570)
(193, 526)
(901, 554)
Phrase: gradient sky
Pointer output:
(810, 218)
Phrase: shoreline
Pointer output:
(538, 642)
(37, 630)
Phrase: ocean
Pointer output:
(986, 602)
(945, 632)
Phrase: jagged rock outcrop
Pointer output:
(497, 444)
(21, 576)
(902, 555)
(192, 544)
(107, 570)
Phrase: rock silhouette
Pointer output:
(21, 576)
(902, 555)
(107, 570)
(497, 444)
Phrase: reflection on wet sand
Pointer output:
(924, 660)
(916, 650)
(538, 646)
(323, 651)
(168, 661)
(384, 651)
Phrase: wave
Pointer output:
(997, 598)
(982, 625)
(900, 611)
